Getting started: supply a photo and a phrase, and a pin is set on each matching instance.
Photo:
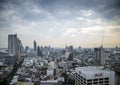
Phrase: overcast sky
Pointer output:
(59, 22)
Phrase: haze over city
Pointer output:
(60, 22)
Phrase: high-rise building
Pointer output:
(26, 49)
(101, 56)
(35, 46)
(39, 53)
(14, 44)
(69, 48)
(93, 75)
(96, 51)
(20, 46)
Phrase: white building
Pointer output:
(53, 64)
(93, 75)
(50, 71)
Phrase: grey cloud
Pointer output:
(109, 9)
(116, 30)
(106, 8)
(59, 9)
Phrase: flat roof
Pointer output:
(25, 83)
(49, 81)
(93, 71)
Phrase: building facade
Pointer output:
(14, 44)
(10, 60)
(92, 75)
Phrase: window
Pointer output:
(106, 81)
(95, 79)
(101, 82)
(106, 84)
(89, 83)
(95, 82)
(89, 80)
(106, 78)
(101, 79)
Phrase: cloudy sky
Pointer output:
(60, 22)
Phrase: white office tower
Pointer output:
(93, 75)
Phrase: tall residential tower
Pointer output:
(35, 46)
(14, 44)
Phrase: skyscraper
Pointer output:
(39, 53)
(35, 46)
(14, 44)
(102, 56)
(96, 51)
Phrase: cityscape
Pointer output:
(59, 42)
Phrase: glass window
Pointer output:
(95, 82)
(89, 80)
(106, 81)
(101, 79)
(95, 79)
(106, 84)
(106, 78)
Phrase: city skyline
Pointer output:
(60, 22)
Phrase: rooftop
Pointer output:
(25, 83)
(92, 70)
